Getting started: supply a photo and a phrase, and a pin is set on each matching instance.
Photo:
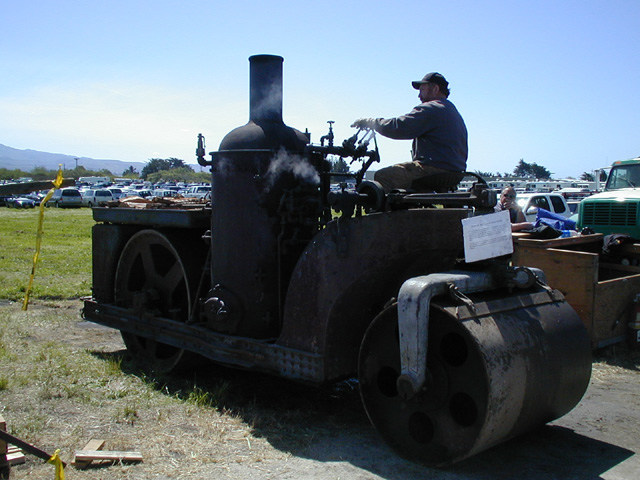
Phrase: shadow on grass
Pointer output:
(619, 355)
(328, 424)
(271, 406)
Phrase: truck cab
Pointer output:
(616, 208)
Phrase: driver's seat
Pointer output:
(438, 182)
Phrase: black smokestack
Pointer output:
(265, 88)
(265, 128)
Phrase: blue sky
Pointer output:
(551, 82)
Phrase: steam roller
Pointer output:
(282, 274)
(496, 366)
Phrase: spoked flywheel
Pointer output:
(441, 423)
(152, 278)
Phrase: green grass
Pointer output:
(42, 370)
(64, 266)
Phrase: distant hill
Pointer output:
(12, 158)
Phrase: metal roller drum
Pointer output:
(494, 371)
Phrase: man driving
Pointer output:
(438, 132)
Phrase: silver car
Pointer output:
(66, 197)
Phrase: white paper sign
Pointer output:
(487, 236)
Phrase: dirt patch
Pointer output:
(63, 389)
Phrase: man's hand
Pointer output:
(363, 123)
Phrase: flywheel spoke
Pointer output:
(173, 278)
(148, 263)
(151, 347)
(151, 277)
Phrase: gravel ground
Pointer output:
(270, 429)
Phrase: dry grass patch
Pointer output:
(65, 381)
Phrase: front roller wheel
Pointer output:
(524, 361)
(151, 278)
(442, 422)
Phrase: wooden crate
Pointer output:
(9, 454)
(602, 294)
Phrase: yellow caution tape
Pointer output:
(55, 460)
(56, 184)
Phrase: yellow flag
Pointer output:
(57, 462)
(56, 184)
(58, 181)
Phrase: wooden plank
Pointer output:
(574, 273)
(629, 248)
(557, 242)
(617, 267)
(27, 447)
(4, 459)
(3, 443)
(612, 309)
(604, 306)
(114, 456)
(15, 456)
(92, 445)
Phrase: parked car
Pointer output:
(95, 198)
(20, 201)
(116, 192)
(38, 196)
(66, 198)
(573, 206)
(198, 191)
(144, 193)
(87, 194)
(552, 202)
(162, 192)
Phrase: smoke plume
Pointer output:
(299, 166)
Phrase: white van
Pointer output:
(95, 198)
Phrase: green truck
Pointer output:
(617, 208)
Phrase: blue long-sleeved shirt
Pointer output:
(438, 132)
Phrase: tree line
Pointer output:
(522, 170)
(533, 170)
(156, 170)
(177, 170)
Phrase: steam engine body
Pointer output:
(266, 279)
